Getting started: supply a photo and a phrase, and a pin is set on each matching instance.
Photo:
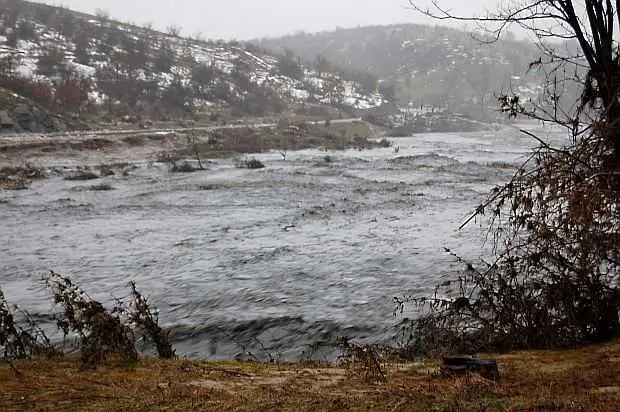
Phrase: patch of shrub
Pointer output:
(251, 163)
(185, 167)
(21, 340)
(362, 360)
(101, 332)
(147, 320)
(81, 175)
(102, 187)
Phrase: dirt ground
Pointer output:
(578, 380)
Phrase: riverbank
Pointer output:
(24, 157)
(573, 380)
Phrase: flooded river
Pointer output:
(299, 252)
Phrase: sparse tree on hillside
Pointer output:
(46, 15)
(388, 91)
(288, 66)
(103, 15)
(322, 65)
(72, 91)
(164, 58)
(178, 96)
(82, 43)
(26, 31)
(367, 82)
(9, 63)
(67, 24)
(51, 62)
(109, 81)
(16, 10)
(333, 89)
(174, 31)
(203, 78)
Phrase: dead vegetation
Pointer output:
(554, 281)
(97, 332)
(18, 178)
(578, 380)
(250, 163)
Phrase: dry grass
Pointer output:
(580, 380)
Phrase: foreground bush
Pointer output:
(98, 331)
(555, 280)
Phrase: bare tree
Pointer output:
(555, 280)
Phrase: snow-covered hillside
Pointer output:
(72, 62)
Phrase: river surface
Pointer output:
(269, 260)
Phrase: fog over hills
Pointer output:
(428, 64)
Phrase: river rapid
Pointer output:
(267, 261)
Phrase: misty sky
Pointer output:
(245, 19)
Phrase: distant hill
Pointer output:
(71, 62)
(427, 65)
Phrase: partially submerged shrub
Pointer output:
(102, 187)
(556, 281)
(80, 175)
(185, 167)
(21, 340)
(100, 332)
(18, 178)
(147, 320)
(252, 163)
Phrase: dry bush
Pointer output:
(251, 163)
(555, 281)
(21, 340)
(362, 360)
(147, 320)
(100, 332)
(555, 227)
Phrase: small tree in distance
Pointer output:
(555, 280)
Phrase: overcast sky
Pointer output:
(245, 19)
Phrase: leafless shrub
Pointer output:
(555, 227)
(184, 167)
(174, 163)
(251, 163)
(101, 187)
(362, 360)
(147, 320)
(21, 340)
(555, 281)
(100, 332)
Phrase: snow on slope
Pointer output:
(261, 69)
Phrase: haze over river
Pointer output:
(302, 251)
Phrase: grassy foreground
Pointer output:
(587, 379)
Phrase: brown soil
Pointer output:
(132, 146)
(576, 380)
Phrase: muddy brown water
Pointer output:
(269, 260)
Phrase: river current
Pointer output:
(272, 260)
